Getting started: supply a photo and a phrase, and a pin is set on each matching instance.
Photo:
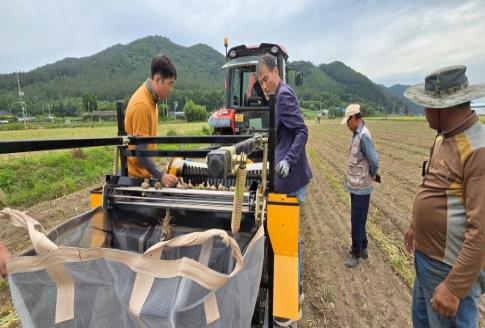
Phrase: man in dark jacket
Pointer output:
(292, 170)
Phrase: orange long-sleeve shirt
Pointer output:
(141, 120)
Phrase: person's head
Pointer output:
(444, 118)
(163, 74)
(268, 74)
(445, 95)
(352, 117)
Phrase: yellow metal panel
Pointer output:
(98, 234)
(96, 197)
(283, 213)
(239, 118)
(285, 292)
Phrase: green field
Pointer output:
(91, 132)
(28, 178)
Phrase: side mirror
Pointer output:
(299, 79)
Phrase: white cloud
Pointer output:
(393, 41)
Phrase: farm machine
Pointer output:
(243, 94)
(218, 188)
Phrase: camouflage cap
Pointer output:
(445, 87)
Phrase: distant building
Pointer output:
(178, 115)
(100, 115)
(27, 119)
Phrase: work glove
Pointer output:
(283, 169)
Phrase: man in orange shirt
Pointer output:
(142, 117)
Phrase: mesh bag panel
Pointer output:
(103, 288)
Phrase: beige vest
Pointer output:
(358, 176)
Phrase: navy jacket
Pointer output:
(292, 135)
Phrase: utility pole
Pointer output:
(22, 102)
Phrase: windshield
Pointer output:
(245, 88)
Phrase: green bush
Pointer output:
(172, 132)
(194, 113)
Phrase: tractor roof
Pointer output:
(256, 50)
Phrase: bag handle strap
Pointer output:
(198, 238)
(41, 243)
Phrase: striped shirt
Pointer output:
(449, 207)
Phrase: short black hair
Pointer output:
(357, 115)
(162, 65)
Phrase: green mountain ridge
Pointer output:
(115, 73)
(398, 91)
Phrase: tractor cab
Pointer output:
(243, 94)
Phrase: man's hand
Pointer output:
(377, 178)
(408, 240)
(4, 256)
(169, 180)
(444, 302)
(282, 169)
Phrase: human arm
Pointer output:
(4, 256)
(409, 240)
(369, 151)
(291, 118)
(168, 180)
(141, 122)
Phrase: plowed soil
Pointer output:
(371, 295)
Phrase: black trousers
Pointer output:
(360, 208)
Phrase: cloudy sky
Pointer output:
(389, 41)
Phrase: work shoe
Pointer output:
(283, 322)
(352, 260)
(363, 253)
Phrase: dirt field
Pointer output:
(375, 294)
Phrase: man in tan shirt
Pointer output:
(142, 117)
(447, 232)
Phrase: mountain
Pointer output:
(117, 71)
(356, 87)
(398, 91)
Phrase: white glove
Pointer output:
(282, 169)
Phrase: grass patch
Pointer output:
(396, 118)
(27, 180)
(33, 177)
(94, 131)
(395, 255)
(8, 316)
